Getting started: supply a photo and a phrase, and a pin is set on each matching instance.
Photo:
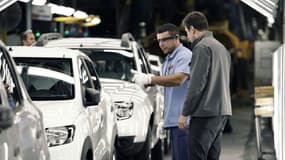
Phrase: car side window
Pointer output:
(144, 63)
(91, 67)
(147, 62)
(84, 75)
(9, 79)
(86, 83)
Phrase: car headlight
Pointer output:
(124, 110)
(60, 135)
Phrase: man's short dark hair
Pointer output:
(169, 27)
(196, 19)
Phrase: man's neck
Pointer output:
(200, 33)
(176, 46)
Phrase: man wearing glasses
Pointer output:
(175, 79)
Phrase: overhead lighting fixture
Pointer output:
(67, 11)
(68, 20)
(88, 19)
(39, 2)
(80, 14)
(53, 8)
(91, 21)
(6, 3)
(96, 20)
(79, 17)
(61, 10)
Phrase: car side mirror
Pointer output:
(6, 117)
(92, 96)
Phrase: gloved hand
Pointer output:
(142, 79)
(160, 131)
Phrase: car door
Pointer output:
(26, 132)
(153, 93)
(109, 122)
(145, 68)
(95, 112)
(9, 137)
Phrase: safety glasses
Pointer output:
(165, 39)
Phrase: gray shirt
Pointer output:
(209, 92)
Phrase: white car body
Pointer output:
(93, 127)
(25, 138)
(129, 92)
(137, 133)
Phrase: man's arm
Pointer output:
(176, 79)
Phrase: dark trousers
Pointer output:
(206, 137)
(179, 145)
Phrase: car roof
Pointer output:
(43, 52)
(98, 43)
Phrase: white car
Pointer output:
(22, 135)
(78, 115)
(138, 109)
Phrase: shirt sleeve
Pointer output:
(183, 63)
(201, 65)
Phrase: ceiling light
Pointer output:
(88, 19)
(67, 20)
(80, 14)
(53, 7)
(92, 21)
(61, 10)
(96, 20)
(68, 11)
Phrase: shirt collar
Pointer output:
(171, 55)
(196, 41)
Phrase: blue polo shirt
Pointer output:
(178, 61)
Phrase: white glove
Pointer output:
(142, 79)
(160, 131)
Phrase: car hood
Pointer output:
(123, 90)
(58, 113)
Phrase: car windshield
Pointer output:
(112, 64)
(47, 79)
